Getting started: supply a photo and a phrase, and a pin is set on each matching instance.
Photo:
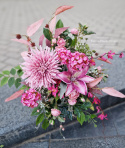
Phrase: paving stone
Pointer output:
(34, 145)
(112, 142)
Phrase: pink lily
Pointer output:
(75, 80)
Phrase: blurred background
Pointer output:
(105, 17)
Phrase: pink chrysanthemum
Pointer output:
(40, 68)
(30, 98)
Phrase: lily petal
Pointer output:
(65, 77)
(80, 86)
(87, 79)
(80, 74)
(69, 89)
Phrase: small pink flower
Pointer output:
(74, 31)
(74, 94)
(54, 90)
(96, 101)
(110, 54)
(121, 55)
(98, 109)
(90, 95)
(54, 41)
(92, 62)
(72, 101)
(55, 112)
(61, 42)
(99, 68)
(37, 111)
(63, 129)
(102, 116)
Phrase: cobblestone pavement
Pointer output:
(106, 18)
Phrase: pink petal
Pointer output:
(22, 41)
(111, 91)
(24, 54)
(15, 95)
(48, 43)
(65, 77)
(80, 86)
(87, 79)
(104, 59)
(80, 74)
(52, 24)
(34, 27)
(59, 31)
(41, 40)
(62, 9)
(69, 89)
(94, 83)
(96, 90)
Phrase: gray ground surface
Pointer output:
(106, 18)
(108, 134)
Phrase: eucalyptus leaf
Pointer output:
(61, 119)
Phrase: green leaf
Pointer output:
(39, 119)
(47, 33)
(20, 72)
(45, 124)
(61, 119)
(4, 81)
(93, 116)
(59, 24)
(23, 87)
(17, 82)
(1, 75)
(87, 117)
(34, 112)
(92, 106)
(63, 87)
(6, 72)
(81, 119)
(11, 81)
(18, 67)
(95, 125)
(13, 71)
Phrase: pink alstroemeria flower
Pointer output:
(75, 80)
(102, 116)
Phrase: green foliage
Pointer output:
(6, 72)
(1, 146)
(13, 71)
(39, 119)
(34, 112)
(61, 119)
(23, 87)
(1, 75)
(81, 118)
(59, 24)
(11, 81)
(17, 82)
(45, 124)
(47, 33)
(4, 81)
(20, 72)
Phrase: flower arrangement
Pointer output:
(60, 80)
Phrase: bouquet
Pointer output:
(60, 80)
